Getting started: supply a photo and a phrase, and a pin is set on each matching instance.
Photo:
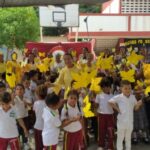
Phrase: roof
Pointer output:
(16, 3)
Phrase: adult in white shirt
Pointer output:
(125, 104)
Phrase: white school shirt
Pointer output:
(72, 112)
(38, 107)
(104, 107)
(8, 126)
(21, 110)
(126, 106)
(33, 87)
(28, 95)
(51, 128)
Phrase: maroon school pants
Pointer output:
(38, 139)
(73, 141)
(52, 147)
(13, 142)
(106, 127)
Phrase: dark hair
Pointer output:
(52, 99)
(41, 91)
(85, 48)
(2, 85)
(73, 92)
(105, 82)
(26, 76)
(68, 54)
(125, 82)
(32, 73)
(20, 85)
(6, 97)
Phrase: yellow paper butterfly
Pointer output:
(87, 108)
(105, 63)
(83, 79)
(95, 85)
(41, 54)
(128, 75)
(134, 58)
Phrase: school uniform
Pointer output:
(73, 137)
(22, 113)
(33, 87)
(8, 129)
(51, 128)
(124, 119)
(105, 120)
(38, 107)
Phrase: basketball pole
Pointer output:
(41, 34)
(77, 33)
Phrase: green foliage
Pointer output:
(17, 26)
(90, 8)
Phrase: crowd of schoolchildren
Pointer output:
(47, 102)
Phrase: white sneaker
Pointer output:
(26, 146)
(99, 148)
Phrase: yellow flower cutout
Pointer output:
(95, 85)
(128, 75)
(42, 67)
(73, 53)
(83, 79)
(87, 108)
(134, 58)
(105, 63)
(140, 83)
(147, 90)
(41, 54)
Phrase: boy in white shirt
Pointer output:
(38, 108)
(105, 116)
(125, 104)
(8, 125)
(22, 112)
(52, 123)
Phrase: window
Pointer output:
(135, 6)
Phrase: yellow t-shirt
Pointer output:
(65, 77)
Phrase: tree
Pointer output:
(90, 8)
(17, 26)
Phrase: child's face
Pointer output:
(35, 77)
(26, 83)
(6, 106)
(126, 90)
(72, 100)
(19, 91)
(106, 90)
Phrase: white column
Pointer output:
(41, 34)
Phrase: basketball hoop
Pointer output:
(59, 17)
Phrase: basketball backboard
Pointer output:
(59, 16)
